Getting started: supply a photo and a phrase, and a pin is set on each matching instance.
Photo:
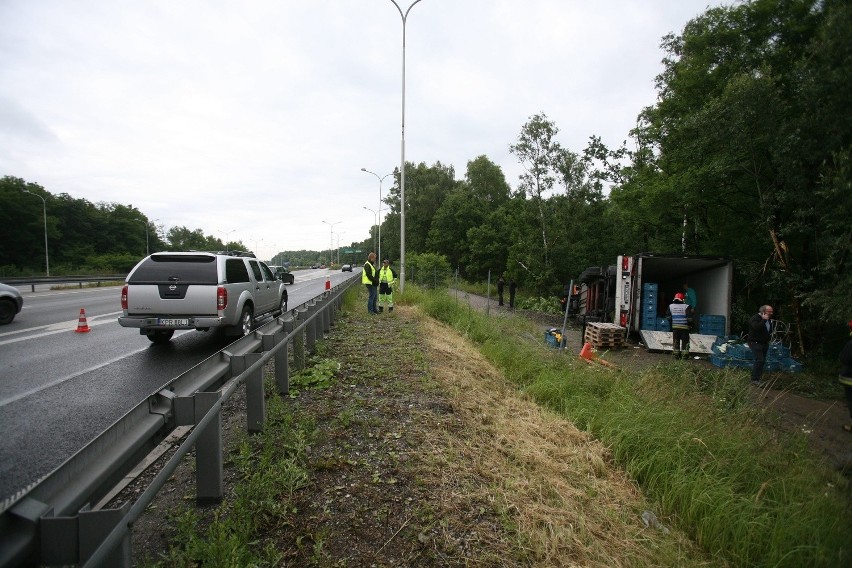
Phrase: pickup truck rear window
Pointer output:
(182, 269)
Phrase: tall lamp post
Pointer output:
(147, 249)
(331, 240)
(338, 244)
(379, 215)
(374, 224)
(46, 256)
(404, 17)
(226, 233)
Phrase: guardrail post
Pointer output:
(255, 401)
(326, 315)
(282, 359)
(299, 342)
(335, 304)
(311, 339)
(95, 526)
(208, 451)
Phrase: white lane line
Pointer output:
(19, 396)
(52, 328)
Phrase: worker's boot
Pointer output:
(381, 309)
(390, 309)
(684, 354)
(675, 354)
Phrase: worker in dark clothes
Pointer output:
(512, 288)
(759, 334)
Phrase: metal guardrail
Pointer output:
(56, 521)
(79, 280)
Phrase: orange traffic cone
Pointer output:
(82, 325)
(328, 282)
(586, 352)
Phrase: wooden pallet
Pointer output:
(604, 335)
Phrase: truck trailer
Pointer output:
(636, 291)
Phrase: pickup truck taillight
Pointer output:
(221, 298)
(124, 298)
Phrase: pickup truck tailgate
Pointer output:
(171, 299)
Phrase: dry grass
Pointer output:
(568, 504)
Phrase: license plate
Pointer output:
(173, 322)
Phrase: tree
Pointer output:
(536, 151)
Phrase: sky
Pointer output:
(252, 120)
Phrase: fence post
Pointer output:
(208, 451)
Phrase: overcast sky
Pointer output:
(251, 119)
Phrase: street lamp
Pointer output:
(331, 239)
(46, 257)
(374, 224)
(256, 241)
(146, 236)
(226, 233)
(402, 150)
(381, 179)
(338, 244)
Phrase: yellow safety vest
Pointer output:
(367, 273)
(386, 275)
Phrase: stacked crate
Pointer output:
(650, 300)
(604, 335)
(709, 324)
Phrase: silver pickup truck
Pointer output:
(167, 291)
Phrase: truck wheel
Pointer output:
(282, 307)
(160, 336)
(246, 322)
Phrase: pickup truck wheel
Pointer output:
(160, 336)
(282, 307)
(246, 321)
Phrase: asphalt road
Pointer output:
(59, 388)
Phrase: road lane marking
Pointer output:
(52, 328)
(19, 396)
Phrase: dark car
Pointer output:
(283, 274)
(346, 268)
(11, 303)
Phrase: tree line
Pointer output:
(745, 154)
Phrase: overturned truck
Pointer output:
(636, 291)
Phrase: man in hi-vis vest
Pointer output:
(370, 278)
(680, 313)
(387, 278)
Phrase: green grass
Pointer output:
(693, 442)
(270, 467)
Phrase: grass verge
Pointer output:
(744, 493)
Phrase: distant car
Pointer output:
(11, 303)
(283, 274)
(315, 266)
(346, 268)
